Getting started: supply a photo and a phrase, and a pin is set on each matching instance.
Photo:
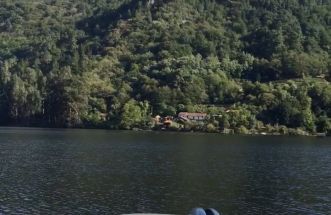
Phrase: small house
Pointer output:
(192, 116)
(157, 119)
(167, 121)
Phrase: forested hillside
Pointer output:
(250, 64)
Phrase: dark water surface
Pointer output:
(107, 172)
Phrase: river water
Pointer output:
(44, 171)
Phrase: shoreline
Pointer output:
(258, 134)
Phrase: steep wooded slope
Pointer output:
(114, 63)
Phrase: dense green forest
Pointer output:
(115, 63)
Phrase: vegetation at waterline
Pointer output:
(116, 63)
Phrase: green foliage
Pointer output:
(112, 63)
(134, 114)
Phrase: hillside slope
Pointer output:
(115, 63)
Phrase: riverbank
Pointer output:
(291, 132)
(227, 132)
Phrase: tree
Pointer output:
(134, 114)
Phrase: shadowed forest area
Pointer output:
(117, 63)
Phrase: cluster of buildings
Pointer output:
(181, 117)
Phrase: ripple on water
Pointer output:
(101, 172)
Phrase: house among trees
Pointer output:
(186, 116)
